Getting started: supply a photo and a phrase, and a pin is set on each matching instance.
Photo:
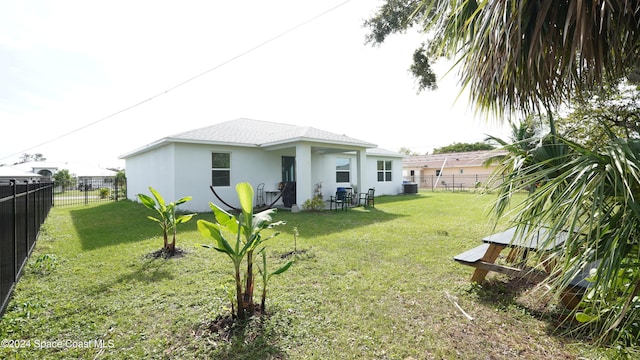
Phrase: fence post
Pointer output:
(86, 193)
(26, 225)
(15, 229)
(115, 181)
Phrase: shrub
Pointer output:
(104, 193)
(314, 204)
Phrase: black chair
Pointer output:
(342, 199)
(368, 197)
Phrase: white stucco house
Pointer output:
(259, 152)
(93, 176)
(8, 173)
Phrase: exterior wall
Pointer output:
(324, 171)
(455, 170)
(180, 169)
(467, 178)
(153, 168)
(193, 173)
(394, 187)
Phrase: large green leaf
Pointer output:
(226, 220)
(212, 231)
(159, 198)
(154, 219)
(147, 201)
(284, 268)
(184, 218)
(245, 195)
(262, 219)
(183, 200)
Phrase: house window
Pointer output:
(220, 169)
(437, 172)
(343, 170)
(384, 171)
(461, 171)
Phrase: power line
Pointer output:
(250, 50)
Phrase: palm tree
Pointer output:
(520, 54)
(532, 54)
(513, 156)
(592, 195)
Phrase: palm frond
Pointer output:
(591, 195)
(530, 54)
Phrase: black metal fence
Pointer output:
(86, 190)
(450, 182)
(23, 208)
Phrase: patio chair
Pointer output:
(260, 195)
(342, 199)
(368, 197)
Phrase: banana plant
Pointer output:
(266, 276)
(167, 218)
(247, 230)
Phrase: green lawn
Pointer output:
(371, 284)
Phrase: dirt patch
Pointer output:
(222, 326)
(225, 327)
(166, 254)
(292, 253)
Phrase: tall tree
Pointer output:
(25, 158)
(522, 54)
(407, 151)
(614, 109)
(63, 179)
(463, 147)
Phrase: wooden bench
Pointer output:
(482, 257)
(472, 256)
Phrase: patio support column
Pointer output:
(304, 185)
(362, 173)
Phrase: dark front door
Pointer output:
(289, 178)
(288, 169)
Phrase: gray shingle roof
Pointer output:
(263, 133)
(11, 172)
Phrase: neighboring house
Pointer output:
(89, 176)
(464, 169)
(8, 173)
(309, 160)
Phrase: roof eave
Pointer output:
(170, 140)
(366, 145)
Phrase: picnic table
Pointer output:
(483, 259)
(484, 256)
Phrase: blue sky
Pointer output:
(65, 65)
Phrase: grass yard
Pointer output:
(369, 284)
